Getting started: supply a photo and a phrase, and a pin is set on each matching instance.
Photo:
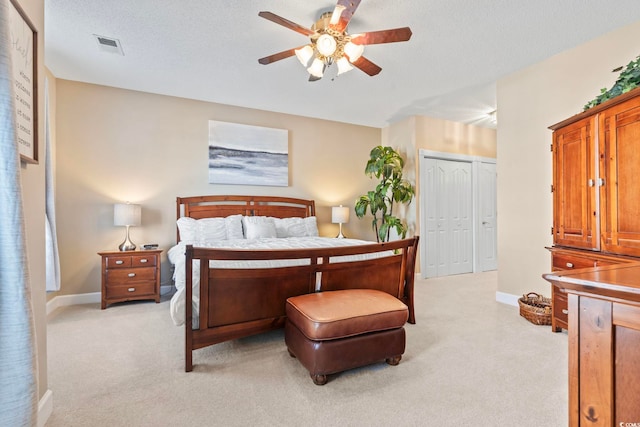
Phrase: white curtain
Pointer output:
(51, 236)
(18, 386)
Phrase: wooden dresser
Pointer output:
(130, 275)
(604, 344)
(596, 191)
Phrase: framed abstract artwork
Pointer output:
(248, 155)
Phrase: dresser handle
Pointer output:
(143, 260)
(565, 311)
(131, 274)
(570, 265)
(119, 262)
(131, 289)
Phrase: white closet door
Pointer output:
(488, 217)
(448, 201)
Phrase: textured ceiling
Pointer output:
(209, 49)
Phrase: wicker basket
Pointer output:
(535, 308)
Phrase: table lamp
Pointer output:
(340, 215)
(126, 214)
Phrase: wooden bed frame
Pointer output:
(236, 303)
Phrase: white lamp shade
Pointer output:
(317, 68)
(353, 51)
(326, 45)
(337, 13)
(304, 54)
(340, 214)
(343, 65)
(126, 214)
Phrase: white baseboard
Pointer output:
(45, 408)
(65, 300)
(508, 299)
(90, 298)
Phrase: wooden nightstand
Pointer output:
(130, 275)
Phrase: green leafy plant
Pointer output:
(386, 165)
(629, 79)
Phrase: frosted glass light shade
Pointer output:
(337, 13)
(343, 65)
(317, 68)
(340, 214)
(326, 45)
(304, 54)
(126, 214)
(353, 51)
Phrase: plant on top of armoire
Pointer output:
(629, 79)
(386, 165)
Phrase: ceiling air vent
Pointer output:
(109, 44)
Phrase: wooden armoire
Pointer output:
(596, 191)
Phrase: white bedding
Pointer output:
(176, 256)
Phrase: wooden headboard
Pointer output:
(221, 206)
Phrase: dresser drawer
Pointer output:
(121, 276)
(130, 291)
(570, 262)
(560, 306)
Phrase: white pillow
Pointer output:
(207, 230)
(296, 227)
(234, 227)
(256, 227)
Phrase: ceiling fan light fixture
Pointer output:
(337, 13)
(343, 65)
(304, 54)
(326, 45)
(353, 51)
(317, 68)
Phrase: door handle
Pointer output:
(485, 223)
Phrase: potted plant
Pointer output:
(385, 164)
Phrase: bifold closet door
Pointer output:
(447, 191)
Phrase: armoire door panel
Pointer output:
(574, 185)
(620, 192)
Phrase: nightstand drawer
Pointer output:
(118, 261)
(123, 276)
(143, 261)
(132, 290)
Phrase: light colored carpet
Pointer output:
(470, 361)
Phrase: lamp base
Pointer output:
(340, 235)
(127, 245)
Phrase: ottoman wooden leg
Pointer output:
(393, 361)
(319, 379)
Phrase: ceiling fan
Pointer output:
(330, 42)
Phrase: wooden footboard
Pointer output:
(239, 302)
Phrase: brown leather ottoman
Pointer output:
(334, 331)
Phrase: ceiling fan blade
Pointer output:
(348, 8)
(367, 66)
(286, 23)
(385, 36)
(278, 56)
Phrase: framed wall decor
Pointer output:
(24, 54)
(248, 155)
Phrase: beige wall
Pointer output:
(528, 102)
(33, 200)
(117, 145)
(426, 133)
